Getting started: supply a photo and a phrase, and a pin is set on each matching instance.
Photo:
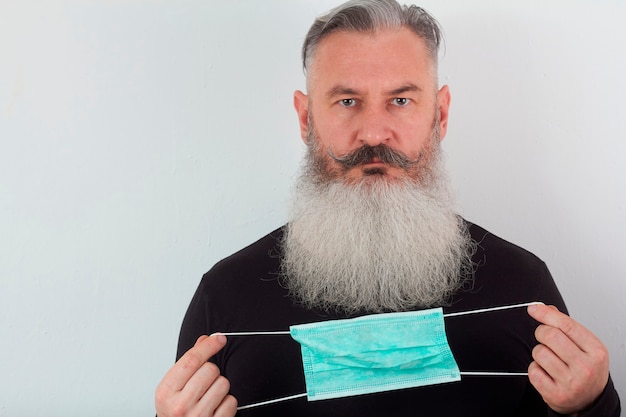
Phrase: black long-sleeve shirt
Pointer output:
(243, 293)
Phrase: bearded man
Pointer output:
(373, 230)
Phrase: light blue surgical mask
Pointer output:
(375, 353)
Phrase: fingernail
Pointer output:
(220, 337)
(532, 308)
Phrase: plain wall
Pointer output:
(142, 141)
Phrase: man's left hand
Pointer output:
(571, 365)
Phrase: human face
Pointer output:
(369, 89)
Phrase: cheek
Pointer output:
(334, 135)
(412, 140)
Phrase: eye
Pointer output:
(401, 101)
(348, 102)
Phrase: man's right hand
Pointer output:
(194, 386)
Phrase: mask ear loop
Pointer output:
(487, 310)
(462, 313)
(277, 400)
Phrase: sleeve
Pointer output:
(608, 404)
(195, 323)
(549, 293)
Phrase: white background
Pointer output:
(142, 141)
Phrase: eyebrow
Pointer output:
(406, 89)
(339, 90)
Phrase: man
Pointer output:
(373, 230)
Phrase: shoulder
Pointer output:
(234, 284)
(264, 251)
(494, 250)
(256, 263)
(508, 273)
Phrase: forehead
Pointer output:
(372, 58)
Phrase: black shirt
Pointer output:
(243, 293)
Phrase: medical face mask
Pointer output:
(375, 353)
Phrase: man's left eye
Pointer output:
(348, 102)
(401, 101)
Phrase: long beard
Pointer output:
(377, 244)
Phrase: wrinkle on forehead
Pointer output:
(374, 49)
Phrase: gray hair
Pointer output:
(369, 16)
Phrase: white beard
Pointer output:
(377, 245)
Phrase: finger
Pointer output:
(200, 382)
(214, 396)
(551, 316)
(541, 380)
(549, 389)
(178, 375)
(559, 345)
(228, 407)
(550, 363)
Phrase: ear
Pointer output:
(443, 102)
(301, 104)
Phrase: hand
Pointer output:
(571, 365)
(194, 386)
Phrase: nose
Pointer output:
(374, 126)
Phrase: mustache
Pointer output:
(366, 154)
